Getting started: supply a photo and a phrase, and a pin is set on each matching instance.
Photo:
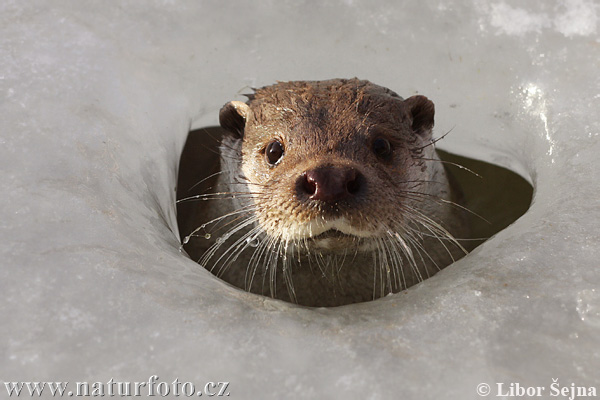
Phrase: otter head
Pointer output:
(332, 164)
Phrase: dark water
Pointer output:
(498, 196)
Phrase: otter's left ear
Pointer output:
(421, 110)
(233, 117)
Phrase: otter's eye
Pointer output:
(274, 152)
(382, 148)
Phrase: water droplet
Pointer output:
(186, 240)
(207, 236)
(588, 306)
(477, 293)
(205, 198)
(220, 240)
(252, 242)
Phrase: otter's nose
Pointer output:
(330, 184)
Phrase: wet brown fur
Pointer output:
(404, 216)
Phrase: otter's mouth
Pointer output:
(338, 235)
(334, 234)
(337, 241)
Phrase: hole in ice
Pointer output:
(495, 196)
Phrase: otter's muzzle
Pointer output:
(329, 184)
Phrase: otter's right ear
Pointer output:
(233, 117)
(421, 110)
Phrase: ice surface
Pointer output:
(96, 102)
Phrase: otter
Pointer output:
(329, 193)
